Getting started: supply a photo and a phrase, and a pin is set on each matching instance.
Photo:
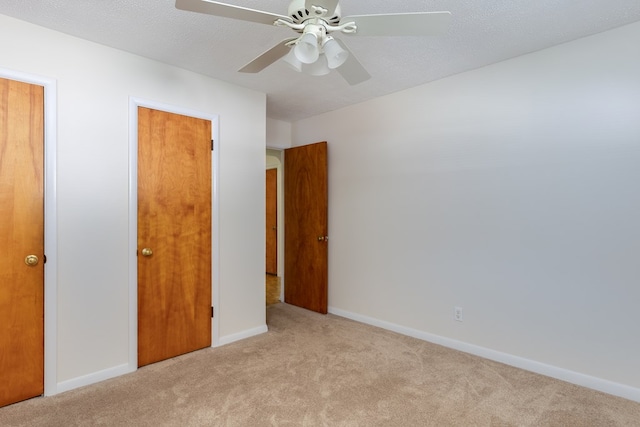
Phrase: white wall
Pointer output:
(511, 191)
(94, 84)
(278, 134)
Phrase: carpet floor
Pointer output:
(315, 370)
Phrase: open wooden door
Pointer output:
(174, 235)
(21, 241)
(306, 240)
(271, 222)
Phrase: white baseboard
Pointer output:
(605, 386)
(228, 339)
(95, 377)
(116, 371)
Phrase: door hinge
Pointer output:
(212, 312)
(212, 145)
(44, 259)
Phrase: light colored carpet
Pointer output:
(315, 370)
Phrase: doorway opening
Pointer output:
(274, 228)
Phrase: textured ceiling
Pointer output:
(482, 32)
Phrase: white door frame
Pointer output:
(134, 103)
(50, 223)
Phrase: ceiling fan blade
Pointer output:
(229, 11)
(330, 5)
(352, 70)
(401, 24)
(267, 58)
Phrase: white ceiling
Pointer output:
(482, 32)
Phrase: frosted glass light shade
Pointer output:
(318, 68)
(292, 61)
(306, 49)
(336, 55)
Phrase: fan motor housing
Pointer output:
(299, 13)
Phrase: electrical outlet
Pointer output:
(457, 314)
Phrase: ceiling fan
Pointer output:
(315, 51)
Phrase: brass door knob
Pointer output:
(147, 252)
(31, 260)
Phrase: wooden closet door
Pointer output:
(21, 241)
(174, 235)
(306, 240)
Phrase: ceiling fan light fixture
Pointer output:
(306, 49)
(292, 61)
(313, 50)
(318, 68)
(336, 55)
